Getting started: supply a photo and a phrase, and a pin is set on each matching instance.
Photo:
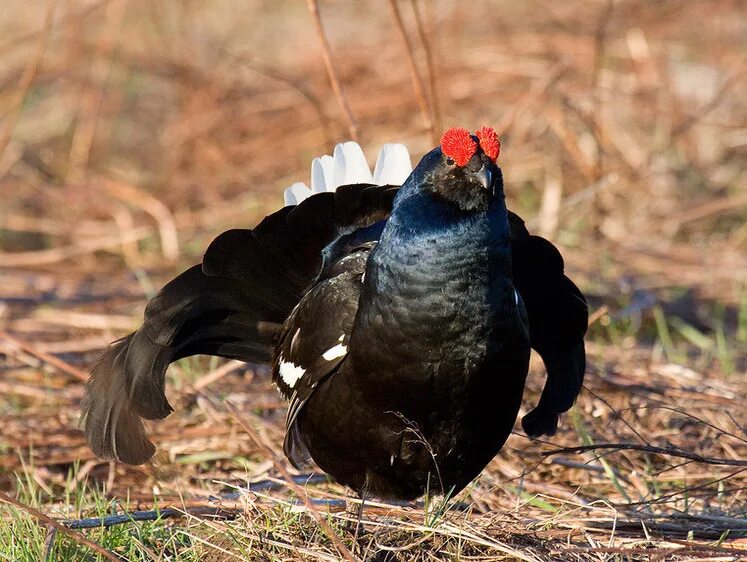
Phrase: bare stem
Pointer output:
(432, 74)
(332, 71)
(46, 357)
(27, 78)
(417, 82)
(669, 451)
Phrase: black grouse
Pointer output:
(398, 321)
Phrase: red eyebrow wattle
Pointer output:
(489, 142)
(458, 144)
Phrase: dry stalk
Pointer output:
(297, 85)
(734, 78)
(155, 208)
(668, 451)
(600, 49)
(46, 357)
(36, 258)
(93, 96)
(417, 82)
(342, 99)
(537, 91)
(27, 78)
(217, 374)
(432, 72)
(80, 15)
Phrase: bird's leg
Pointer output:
(360, 515)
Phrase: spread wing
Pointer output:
(232, 305)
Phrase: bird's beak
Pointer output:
(484, 177)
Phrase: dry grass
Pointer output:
(133, 132)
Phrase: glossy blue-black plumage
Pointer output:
(439, 348)
(404, 333)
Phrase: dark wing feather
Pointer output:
(314, 340)
(232, 305)
(558, 318)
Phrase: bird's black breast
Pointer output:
(434, 375)
(436, 306)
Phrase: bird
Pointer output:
(397, 310)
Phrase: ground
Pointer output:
(134, 132)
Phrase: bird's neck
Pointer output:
(437, 274)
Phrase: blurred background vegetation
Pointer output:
(133, 132)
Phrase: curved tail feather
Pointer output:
(192, 314)
(232, 305)
(113, 429)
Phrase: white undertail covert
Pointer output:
(348, 165)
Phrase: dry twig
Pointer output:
(417, 82)
(342, 99)
(432, 72)
(668, 451)
(27, 78)
(46, 357)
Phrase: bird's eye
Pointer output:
(450, 161)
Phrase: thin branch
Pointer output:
(597, 314)
(221, 511)
(669, 451)
(600, 49)
(535, 93)
(150, 515)
(713, 207)
(27, 78)
(163, 216)
(417, 82)
(46, 357)
(432, 75)
(732, 80)
(63, 22)
(49, 542)
(245, 61)
(36, 258)
(76, 536)
(617, 414)
(687, 491)
(92, 97)
(332, 71)
(217, 374)
(688, 415)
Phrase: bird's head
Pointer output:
(462, 170)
